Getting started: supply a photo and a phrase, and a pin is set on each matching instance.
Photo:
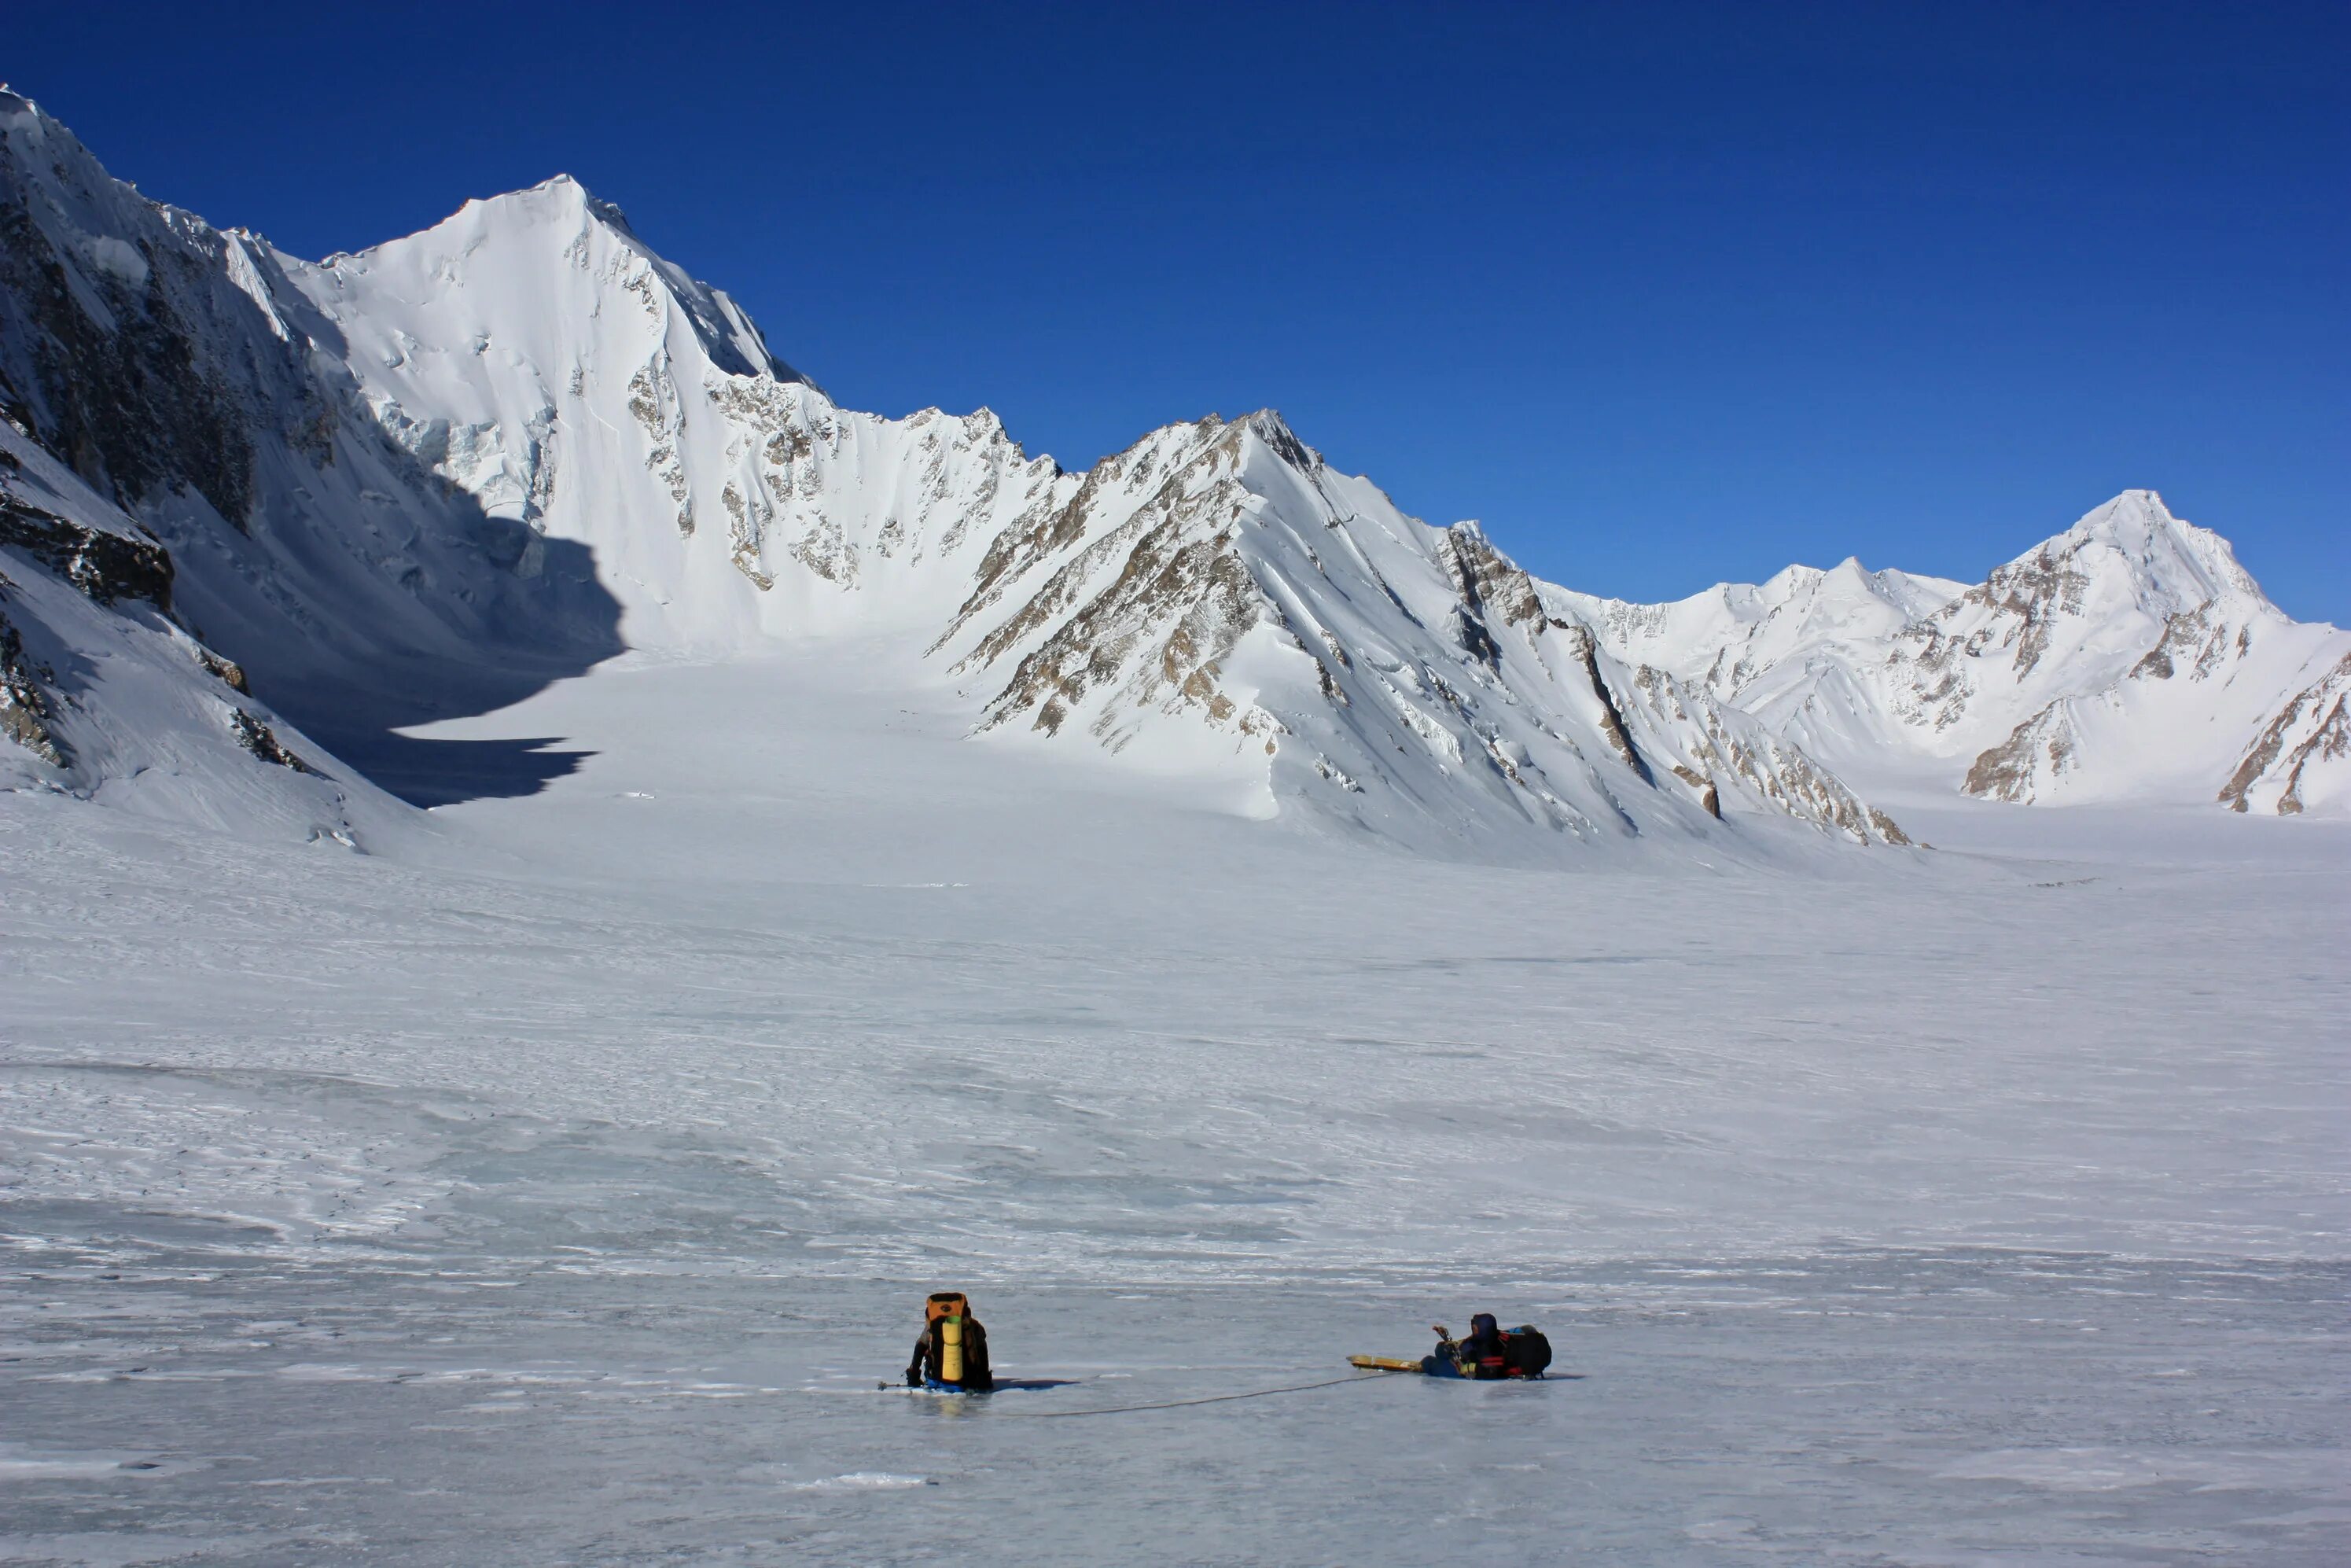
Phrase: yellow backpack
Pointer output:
(946, 1312)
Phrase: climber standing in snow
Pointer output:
(952, 1354)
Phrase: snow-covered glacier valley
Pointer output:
(554, 882)
(557, 1185)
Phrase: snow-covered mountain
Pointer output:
(104, 692)
(519, 437)
(1791, 650)
(2130, 657)
(427, 478)
(176, 370)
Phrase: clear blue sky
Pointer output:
(1665, 294)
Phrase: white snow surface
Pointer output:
(555, 1184)
(1216, 920)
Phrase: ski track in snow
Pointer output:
(553, 1186)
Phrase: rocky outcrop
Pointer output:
(136, 341)
(258, 739)
(107, 567)
(1723, 743)
(2197, 640)
(1585, 653)
(1491, 585)
(2309, 735)
(105, 696)
(2043, 747)
(26, 712)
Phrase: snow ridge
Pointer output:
(2130, 657)
(520, 441)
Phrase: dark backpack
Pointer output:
(1482, 1354)
(1525, 1351)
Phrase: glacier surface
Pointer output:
(555, 1184)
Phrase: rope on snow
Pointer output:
(1211, 1399)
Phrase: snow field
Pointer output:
(557, 1183)
(1889, 1408)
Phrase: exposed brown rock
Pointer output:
(26, 715)
(107, 567)
(2265, 751)
(1612, 720)
(1709, 796)
(255, 737)
(232, 675)
(2008, 771)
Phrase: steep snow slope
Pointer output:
(1401, 678)
(106, 696)
(175, 369)
(2297, 762)
(535, 356)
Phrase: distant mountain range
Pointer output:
(257, 514)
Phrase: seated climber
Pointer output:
(952, 1354)
(1488, 1351)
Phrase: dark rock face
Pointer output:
(255, 737)
(107, 567)
(25, 709)
(143, 353)
(1709, 796)
(1612, 718)
(1468, 634)
(130, 409)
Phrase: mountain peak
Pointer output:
(559, 198)
(1268, 425)
(15, 107)
(2132, 513)
(508, 251)
(2169, 560)
(524, 425)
